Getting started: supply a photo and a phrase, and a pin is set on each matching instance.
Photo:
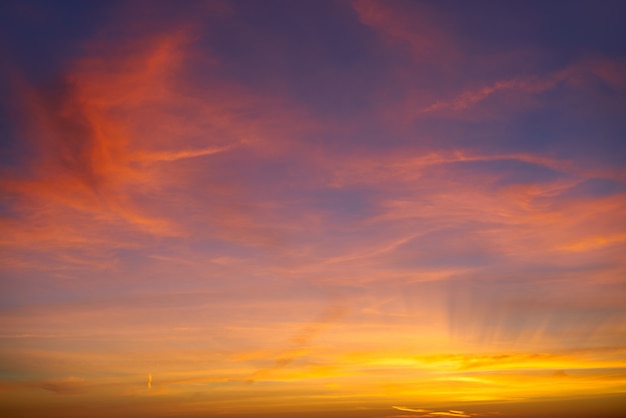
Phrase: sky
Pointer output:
(372, 209)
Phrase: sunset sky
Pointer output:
(313, 208)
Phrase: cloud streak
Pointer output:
(429, 413)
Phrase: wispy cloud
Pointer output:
(430, 413)
(180, 155)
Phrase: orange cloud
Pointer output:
(606, 70)
(121, 110)
(414, 28)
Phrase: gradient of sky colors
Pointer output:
(312, 208)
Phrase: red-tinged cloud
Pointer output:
(86, 164)
(414, 29)
(608, 71)
(108, 140)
